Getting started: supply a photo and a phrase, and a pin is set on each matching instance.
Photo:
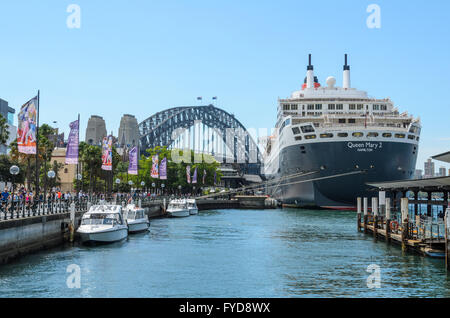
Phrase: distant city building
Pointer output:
(418, 174)
(128, 131)
(67, 172)
(8, 113)
(429, 169)
(442, 172)
(96, 130)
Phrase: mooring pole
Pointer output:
(365, 215)
(375, 215)
(388, 219)
(358, 204)
(447, 238)
(404, 210)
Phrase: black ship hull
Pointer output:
(334, 174)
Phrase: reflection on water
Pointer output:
(232, 253)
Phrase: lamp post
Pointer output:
(153, 186)
(179, 189)
(130, 183)
(162, 187)
(14, 171)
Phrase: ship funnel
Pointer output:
(346, 79)
(309, 74)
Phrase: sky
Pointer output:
(140, 57)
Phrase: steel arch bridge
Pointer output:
(158, 129)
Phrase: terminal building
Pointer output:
(8, 113)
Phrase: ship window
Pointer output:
(387, 135)
(342, 134)
(307, 129)
(326, 135)
(411, 137)
(352, 106)
(383, 107)
(351, 120)
(357, 134)
(418, 138)
(339, 106)
(310, 137)
(310, 106)
(342, 120)
(286, 107)
(294, 107)
(399, 135)
(298, 138)
(318, 106)
(414, 129)
(331, 106)
(376, 107)
(372, 134)
(316, 125)
(360, 106)
(295, 130)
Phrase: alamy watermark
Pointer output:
(374, 279)
(74, 19)
(74, 279)
(374, 19)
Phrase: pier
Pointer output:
(397, 219)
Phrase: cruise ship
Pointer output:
(330, 141)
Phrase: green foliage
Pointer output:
(5, 176)
(4, 133)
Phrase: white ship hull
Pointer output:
(104, 236)
(138, 226)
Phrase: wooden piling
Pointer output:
(358, 204)
(405, 220)
(365, 215)
(388, 219)
(375, 216)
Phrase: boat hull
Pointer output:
(138, 227)
(193, 211)
(104, 236)
(178, 214)
(336, 173)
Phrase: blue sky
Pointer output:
(141, 57)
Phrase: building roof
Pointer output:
(431, 184)
(445, 157)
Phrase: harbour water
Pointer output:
(232, 253)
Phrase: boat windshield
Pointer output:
(177, 206)
(191, 205)
(134, 215)
(101, 218)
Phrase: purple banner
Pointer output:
(194, 178)
(133, 166)
(188, 174)
(72, 144)
(163, 169)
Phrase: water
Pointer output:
(232, 253)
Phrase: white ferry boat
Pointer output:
(178, 208)
(103, 224)
(330, 141)
(192, 206)
(137, 219)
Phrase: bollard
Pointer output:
(72, 222)
(404, 210)
(388, 219)
(375, 216)
(365, 215)
(358, 204)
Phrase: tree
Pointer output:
(5, 176)
(4, 132)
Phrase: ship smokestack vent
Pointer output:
(346, 75)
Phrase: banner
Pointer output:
(133, 157)
(163, 169)
(188, 174)
(155, 170)
(72, 144)
(204, 176)
(194, 178)
(26, 128)
(107, 153)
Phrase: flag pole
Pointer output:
(37, 147)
